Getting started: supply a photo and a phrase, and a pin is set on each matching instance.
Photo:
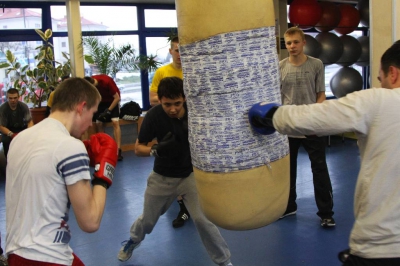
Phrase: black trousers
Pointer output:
(358, 261)
(6, 140)
(315, 147)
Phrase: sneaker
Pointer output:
(328, 222)
(125, 253)
(120, 157)
(288, 213)
(180, 220)
(3, 261)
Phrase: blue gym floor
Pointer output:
(295, 240)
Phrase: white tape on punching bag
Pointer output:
(229, 62)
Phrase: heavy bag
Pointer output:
(229, 62)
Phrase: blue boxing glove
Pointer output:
(260, 117)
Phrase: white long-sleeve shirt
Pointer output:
(374, 115)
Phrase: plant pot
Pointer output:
(38, 114)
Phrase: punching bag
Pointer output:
(229, 62)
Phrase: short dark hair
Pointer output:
(391, 57)
(174, 40)
(90, 79)
(12, 91)
(171, 88)
(73, 91)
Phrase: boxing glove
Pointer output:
(105, 116)
(89, 151)
(260, 117)
(168, 147)
(103, 152)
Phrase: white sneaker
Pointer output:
(125, 253)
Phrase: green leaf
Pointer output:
(4, 65)
(41, 34)
(48, 33)
(42, 85)
(10, 57)
(89, 59)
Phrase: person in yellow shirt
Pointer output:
(173, 69)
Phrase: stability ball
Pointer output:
(363, 9)
(304, 13)
(313, 47)
(349, 19)
(351, 50)
(363, 60)
(345, 81)
(330, 17)
(332, 47)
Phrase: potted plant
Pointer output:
(109, 59)
(35, 84)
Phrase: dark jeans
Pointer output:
(358, 261)
(6, 140)
(315, 147)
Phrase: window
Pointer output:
(21, 18)
(127, 80)
(155, 18)
(98, 18)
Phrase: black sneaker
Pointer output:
(180, 220)
(328, 222)
(288, 213)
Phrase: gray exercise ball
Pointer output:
(363, 60)
(313, 47)
(363, 9)
(351, 50)
(346, 80)
(332, 47)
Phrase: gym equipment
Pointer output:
(351, 50)
(363, 9)
(304, 13)
(349, 19)
(363, 60)
(313, 47)
(332, 47)
(346, 80)
(228, 50)
(330, 17)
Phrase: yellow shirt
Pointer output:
(163, 72)
(50, 100)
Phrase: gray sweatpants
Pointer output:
(160, 193)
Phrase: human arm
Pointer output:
(154, 98)
(5, 131)
(106, 115)
(89, 202)
(141, 149)
(352, 113)
(321, 97)
(154, 88)
(115, 102)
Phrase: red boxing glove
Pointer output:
(104, 153)
(89, 151)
